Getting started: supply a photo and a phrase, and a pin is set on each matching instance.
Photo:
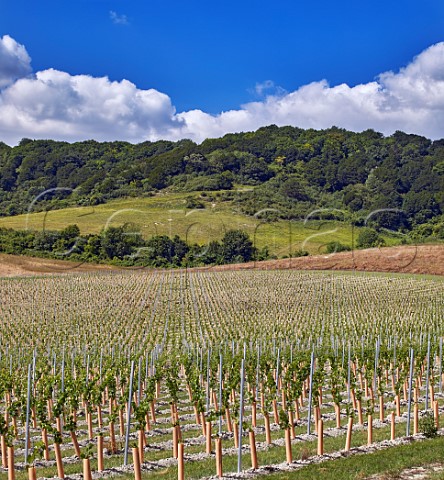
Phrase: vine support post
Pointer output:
(128, 415)
(220, 391)
(440, 365)
(310, 394)
(409, 407)
(28, 409)
(241, 417)
(427, 374)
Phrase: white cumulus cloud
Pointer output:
(55, 104)
(411, 100)
(14, 61)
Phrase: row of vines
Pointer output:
(199, 372)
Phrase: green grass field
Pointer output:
(167, 215)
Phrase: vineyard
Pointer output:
(195, 374)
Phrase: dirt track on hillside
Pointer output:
(424, 259)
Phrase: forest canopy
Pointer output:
(291, 172)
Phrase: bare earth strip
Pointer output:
(422, 259)
(15, 265)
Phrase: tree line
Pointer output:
(291, 171)
(124, 245)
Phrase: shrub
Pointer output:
(334, 247)
(427, 425)
(368, 238)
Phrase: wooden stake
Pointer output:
(436, 413)
(99, 416)
(58, 455)
(136, 462)
(75, 443)
(275, 412)
(32, 475)
(203, 424)
(291, 421)
(253, 451)
(100, 453)
(381, 408)
(398, 405)
(288, 451)
(338, 415)
(3, 449)
(360, 419)
(353, 398)
(296, 411)
(90, 426)
(196, 414)
(141, 444)
(349, 433)
(175, 443)
(180, 462)
(228, 420)
(415, 419)
(87, 469)
(254, 414)
(320, 437)
(208, 443)
(148, 423)
(11, 467)
(236, 435)
(45, 441)
(121, 423)
(369, 429)
(316, 418)
(59, 425)
(284, 400)
(219, 457)
(267, 428)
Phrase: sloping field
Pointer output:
(422, 259)
(15, 265)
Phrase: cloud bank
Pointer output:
(57, 105)
(14, 61)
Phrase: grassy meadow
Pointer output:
(167, 215)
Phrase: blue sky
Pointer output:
(212, 56)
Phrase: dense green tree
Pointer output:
(119, 242)
(237, 247)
